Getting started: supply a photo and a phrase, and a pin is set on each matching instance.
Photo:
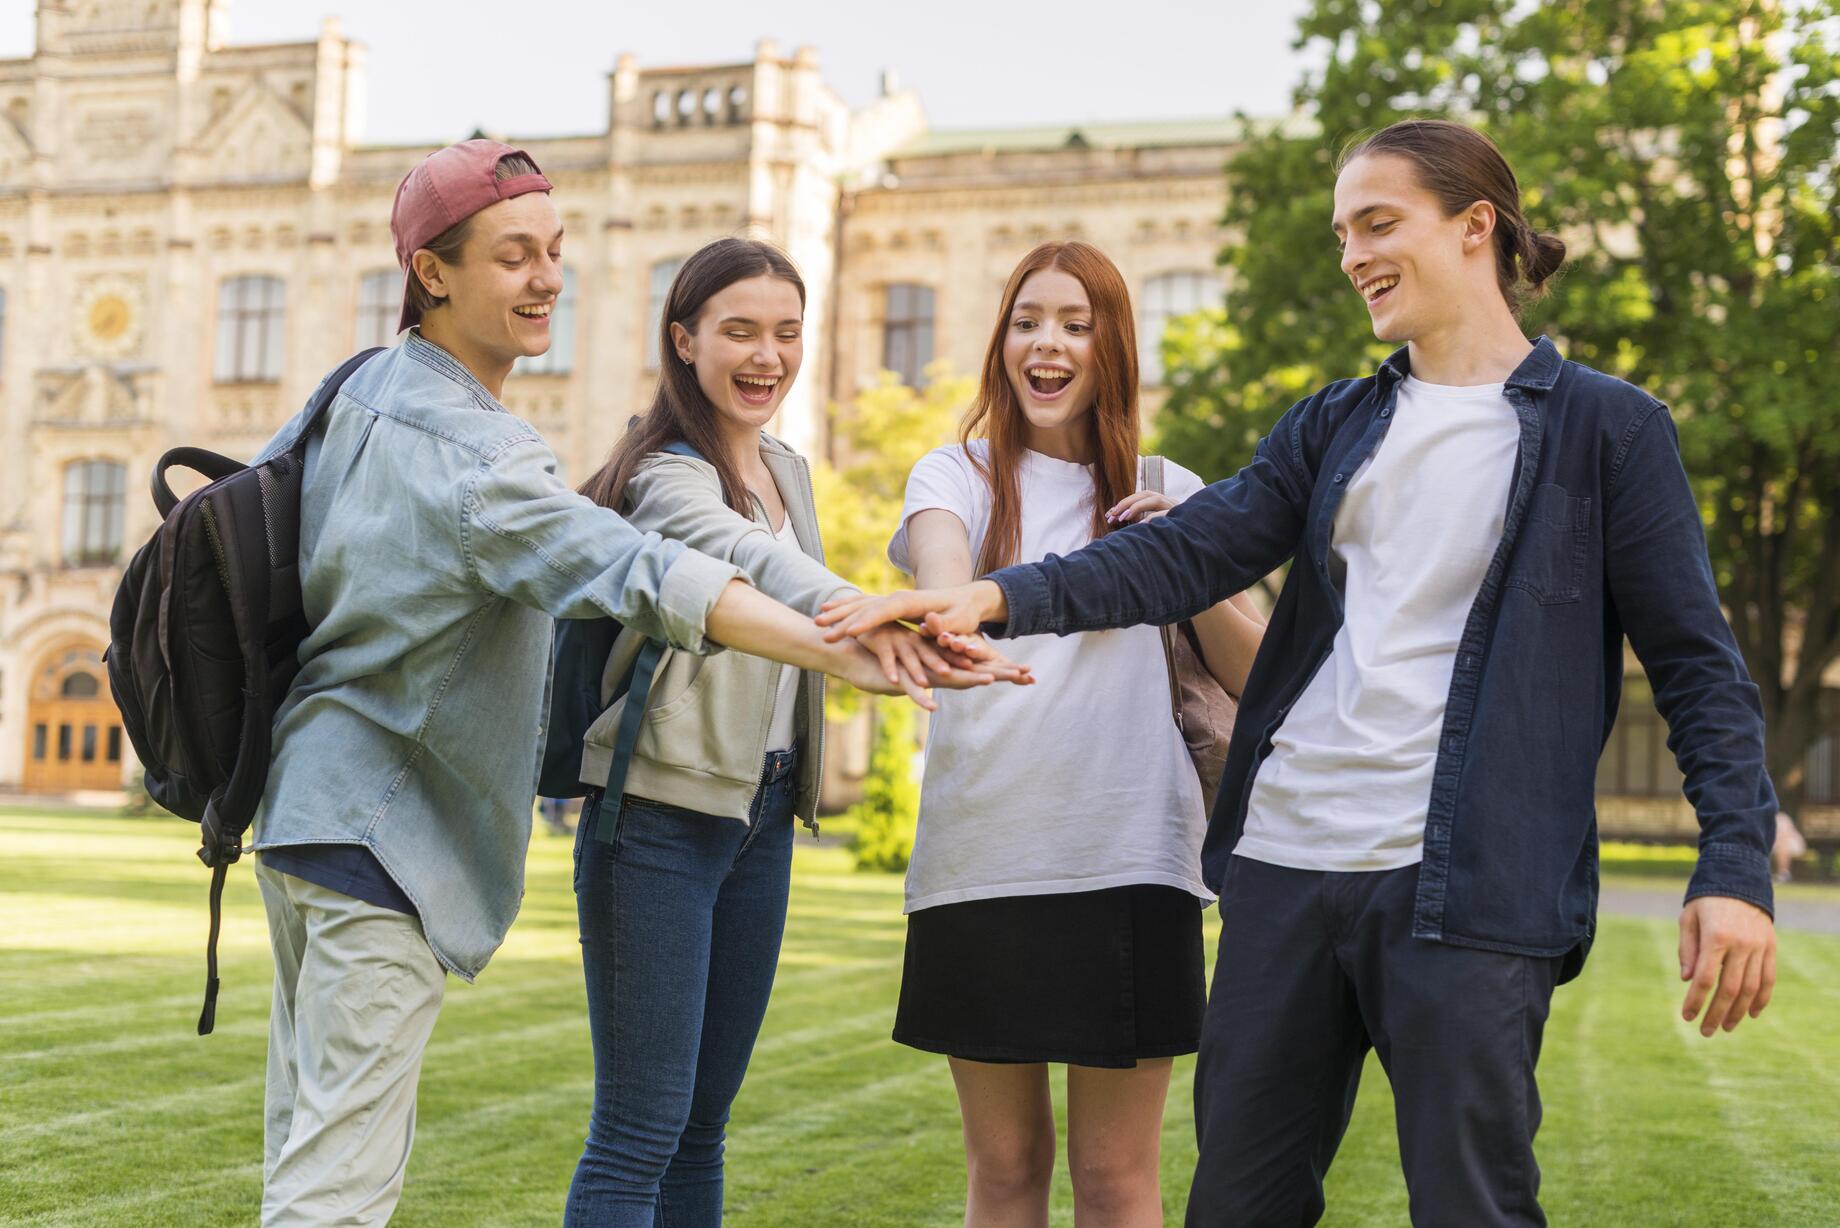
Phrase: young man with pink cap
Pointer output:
(436, 544)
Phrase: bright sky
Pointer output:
(439, 68)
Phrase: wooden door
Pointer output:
(74, 738)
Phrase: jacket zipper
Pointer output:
(817, 763)
(811, 510)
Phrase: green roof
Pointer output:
(1212, 130)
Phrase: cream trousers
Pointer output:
(357, 991)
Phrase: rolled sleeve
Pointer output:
(530, 538)
(692, 585)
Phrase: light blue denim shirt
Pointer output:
(436, 543)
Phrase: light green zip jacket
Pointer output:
(706, 725)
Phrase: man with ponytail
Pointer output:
(1404, 844)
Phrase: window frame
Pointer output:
(93, 513)
(910, 338)
(243, 324)
(1154, 312)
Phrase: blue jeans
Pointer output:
(681, 920)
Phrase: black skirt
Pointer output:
(1092, 978)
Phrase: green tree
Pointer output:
(1687, 151)
(877, 441)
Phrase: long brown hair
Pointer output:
(996, 415)
(679, 410)
(1461, 166)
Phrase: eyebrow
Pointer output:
(1361, 213)
(524, 239)
(1029, 305)
(746, 320)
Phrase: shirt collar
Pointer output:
(429, 354)
(1537, 372)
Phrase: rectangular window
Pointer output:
(63, 744)
(379, 308)
(251, 330)
(89, 744)
(663, 274)
(907, 332)
(95, 504)
(1166, 297)
(40, 738)
(114, 743)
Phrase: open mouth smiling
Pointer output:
(1047, 382)
(756, 389)
(536, 312)
(1378, 288)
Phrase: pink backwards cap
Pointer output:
(445, 188)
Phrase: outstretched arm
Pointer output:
(1213, 545)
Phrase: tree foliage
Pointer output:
(878, 440)
(1687, 151)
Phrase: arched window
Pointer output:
(907, 332)
(251, 329)
(663, 274)
(1167, 296)
(80, 686)
(379, 307)
(559, 359)
(95, 498)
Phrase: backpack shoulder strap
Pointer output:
(326, 393)
(1153, 480)
(631, 718)
(678, 447)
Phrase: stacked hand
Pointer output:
(939, 612)
(898, 660)
(904, 661)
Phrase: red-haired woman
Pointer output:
(1055, 891)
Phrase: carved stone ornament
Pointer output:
(109, 317)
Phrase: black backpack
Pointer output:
(578, 660)
(204, 639)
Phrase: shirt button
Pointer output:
(1340, 478)
(1386, 413)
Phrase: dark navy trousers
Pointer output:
(1314, 969)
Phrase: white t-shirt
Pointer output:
(1077, 783)
(782, 730)
(1348, 780)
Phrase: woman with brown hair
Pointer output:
(684, 850)
(1055, 890)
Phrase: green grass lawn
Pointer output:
(113, 1113)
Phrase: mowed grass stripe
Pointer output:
(111, 1112)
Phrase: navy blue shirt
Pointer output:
(1602, 537)
(350, 869)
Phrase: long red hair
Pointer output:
(997, 416)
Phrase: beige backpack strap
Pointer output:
(1153, 480)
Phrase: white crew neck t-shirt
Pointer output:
(783, 729)
(1077, 783)
(1348, 780)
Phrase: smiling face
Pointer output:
(1048, 351)
(746, 345)
(497, 298)
(1414, 266)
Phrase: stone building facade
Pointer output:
(193, 231)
